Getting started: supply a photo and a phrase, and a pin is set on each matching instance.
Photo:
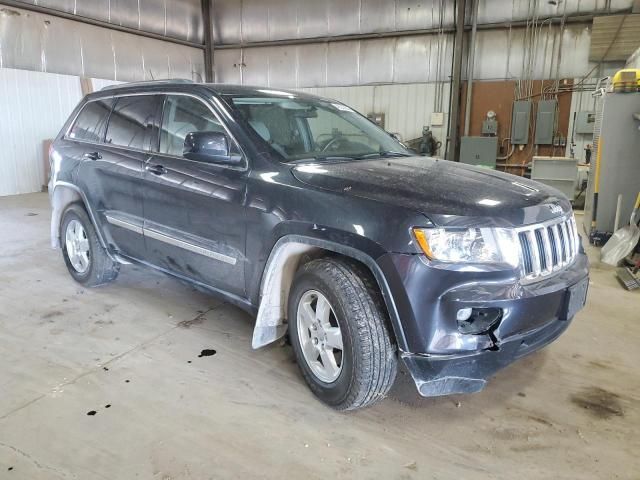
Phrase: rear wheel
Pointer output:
(86, 259)
(340, 335)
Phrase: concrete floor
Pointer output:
(129, 352)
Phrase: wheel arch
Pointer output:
(63, 195)
(288, 253)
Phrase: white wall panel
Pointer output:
(500, 53)
(34, 106)
(100, 83)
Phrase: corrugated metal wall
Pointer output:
(34, 107)
(34, 41)
(423, 58)
(420, 58)
(178, 19)
(236, 22)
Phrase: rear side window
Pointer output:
(132, 121)
(92, 121)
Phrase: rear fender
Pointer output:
(63, 195)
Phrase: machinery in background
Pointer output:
(616, 168)
(426, 145)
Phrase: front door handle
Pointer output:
(93, 155)
(156, 169)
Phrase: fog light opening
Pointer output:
(478, 320)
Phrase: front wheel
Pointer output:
(338, 327)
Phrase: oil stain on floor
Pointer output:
(599, 403)
(207, 353)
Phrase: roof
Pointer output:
(218, 88)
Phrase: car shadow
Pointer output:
(499, 389)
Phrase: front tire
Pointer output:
(338, 326)
(86, 259)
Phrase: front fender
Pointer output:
(281, 267)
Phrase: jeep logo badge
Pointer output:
(555, 208)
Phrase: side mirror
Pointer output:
(210, 147)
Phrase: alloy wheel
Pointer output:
(320, 336)
(77, 244)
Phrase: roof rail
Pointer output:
(147, 82)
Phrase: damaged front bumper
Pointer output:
(437, 375)
(440, 357)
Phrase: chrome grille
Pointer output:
(546, 248)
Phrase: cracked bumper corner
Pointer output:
(437, 375)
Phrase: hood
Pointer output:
(449, 193)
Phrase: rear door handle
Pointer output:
(156, 169)
(93, 155)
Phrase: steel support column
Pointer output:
(453, 136)
(208, 41)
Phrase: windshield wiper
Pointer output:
(323, 158)
(384, 154)
(363, 156)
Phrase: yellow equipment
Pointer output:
(626, 80)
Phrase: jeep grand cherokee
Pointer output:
(304, 213)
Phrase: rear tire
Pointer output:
(364, 369)
(86, 259)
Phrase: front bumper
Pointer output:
(449, 374)
(440, 358)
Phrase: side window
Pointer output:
(183, 115)
(132, 120)
(92, 121)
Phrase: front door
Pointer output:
(194, 211)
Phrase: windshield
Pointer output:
(306, 128)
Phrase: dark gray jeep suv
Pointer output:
(301, 211)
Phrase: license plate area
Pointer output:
(575, 299)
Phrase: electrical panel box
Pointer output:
(520, 122)
(585, 122)
(481, 151)
(545, 122)
(437, 119)
(490, 126)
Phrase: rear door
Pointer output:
(194, 211)
(113, 170)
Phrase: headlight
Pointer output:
(473, 245)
